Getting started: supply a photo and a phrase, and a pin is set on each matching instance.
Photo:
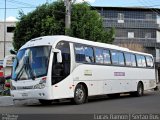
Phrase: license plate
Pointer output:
(24, 94)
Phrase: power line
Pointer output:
(20, 3)
(152, 9)
(154, 5)
(90, 5)
(19, 8)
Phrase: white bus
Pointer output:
(55, 67)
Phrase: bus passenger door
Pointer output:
(61, 71)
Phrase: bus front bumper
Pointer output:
(30, 94)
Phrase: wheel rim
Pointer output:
(79, 94)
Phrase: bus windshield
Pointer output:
(31, 63)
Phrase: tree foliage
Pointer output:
(49, 19)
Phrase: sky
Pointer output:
(14, 6)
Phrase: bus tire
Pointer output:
(140, 90)
(80, 95)
(45, 102)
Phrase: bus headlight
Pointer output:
(39, 86)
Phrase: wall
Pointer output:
(157, 55)
(158, 36)
(9, 39)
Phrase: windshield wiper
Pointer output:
(28, 66)
(19, 73)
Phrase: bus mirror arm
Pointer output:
(59, 55)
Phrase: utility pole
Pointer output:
(67, 3)
(4, 34)
(5, 29)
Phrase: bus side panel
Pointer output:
(102, 79)
(86, 74)
(63, 89)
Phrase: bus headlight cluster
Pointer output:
(41, 85)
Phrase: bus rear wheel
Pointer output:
(45, 102)
(80, 95)
(140, 90)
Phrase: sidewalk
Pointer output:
(6, 101)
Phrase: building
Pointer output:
(135, 25)
(6, 46)
(10, 26)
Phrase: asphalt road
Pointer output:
(149, 103)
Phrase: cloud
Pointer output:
(11, 18)
(90, 1)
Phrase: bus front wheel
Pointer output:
(80, 95)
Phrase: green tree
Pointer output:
(49, 19)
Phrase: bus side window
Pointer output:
(133, 60)
(79, 53)
(84, 54)
(121, 58)
(149, 61)
(107, 57)
(89, 56)
(117, 58)
(130, 59)
(114, 57)
(141, 61)
(99, 55)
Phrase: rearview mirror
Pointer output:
(13, 52)
(59, 55)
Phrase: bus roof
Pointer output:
(51, 40)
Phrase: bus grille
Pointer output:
(24, 87)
